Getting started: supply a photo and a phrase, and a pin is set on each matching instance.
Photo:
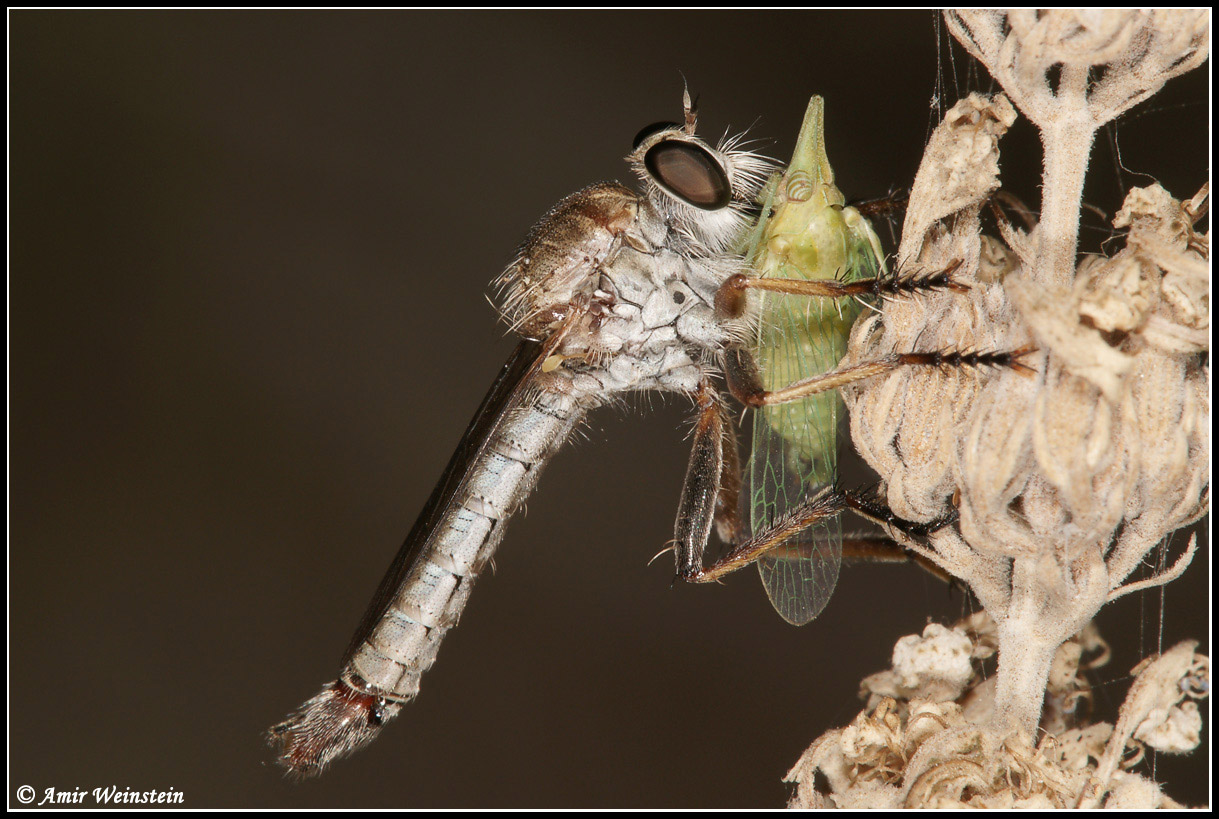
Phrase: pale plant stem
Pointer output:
(1026, 648)
(1021, 678)
(1068, 144)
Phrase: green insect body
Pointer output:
(806, 232)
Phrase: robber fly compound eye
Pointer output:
(690, 173)
(654, 128)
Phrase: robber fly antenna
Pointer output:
(690, 108)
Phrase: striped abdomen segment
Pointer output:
(403, 643)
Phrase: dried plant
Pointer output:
(926, 739)
(1064, 480)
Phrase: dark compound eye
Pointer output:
(647, 131)
(690, 173)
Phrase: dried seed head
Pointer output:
(908, 425)
(1089, 464)
(920, 745)
(1064, 480)
(1108, 60)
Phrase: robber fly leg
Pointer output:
(702, 494)
(877, 548)
(884, 206)
(867, 504)
(727, 502)
(824, 504)
(745, 384)
(829, 502)
(874, 547)
(730, 298)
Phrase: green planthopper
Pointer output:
(806, 232)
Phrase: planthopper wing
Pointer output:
(805, 232)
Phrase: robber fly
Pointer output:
(612, 291)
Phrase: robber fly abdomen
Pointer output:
(513, 435)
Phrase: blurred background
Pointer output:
(248, 259)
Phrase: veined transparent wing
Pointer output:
(805, 232)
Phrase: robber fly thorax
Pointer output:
(626, 282)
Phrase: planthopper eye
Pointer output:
(690, 173)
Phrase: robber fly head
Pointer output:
(704, 193)
(697, 202)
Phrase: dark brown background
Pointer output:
(249, 253)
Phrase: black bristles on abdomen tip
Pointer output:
(338, 721)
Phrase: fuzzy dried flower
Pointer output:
(1070, 72)
(906, 750)
(1067, 478)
